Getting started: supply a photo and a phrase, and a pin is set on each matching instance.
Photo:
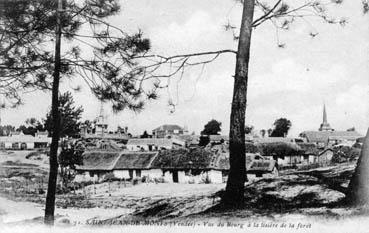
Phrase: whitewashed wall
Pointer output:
(152, 173)
(215, 177)
(121, 174)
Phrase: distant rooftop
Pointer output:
(168, 128)
(324, 136)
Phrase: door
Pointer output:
(175, 176)
(130, 173)
(23, 146)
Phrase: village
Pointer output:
(132, 174)
(170, 155)
(196, 115)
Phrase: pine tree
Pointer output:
(32, 33)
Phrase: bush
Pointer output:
(109, 177)
(136, 181)
(205, 180)
(159, 180)
(34, 154)
(345, 154)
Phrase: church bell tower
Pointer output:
(325, 125)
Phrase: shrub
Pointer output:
(136, 181)
(109, 177)
(205, 180)
(159, 180)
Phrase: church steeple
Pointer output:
(101, 125)
(325, 125)
(324, 115)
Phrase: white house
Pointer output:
(121, 164)
(21, 141)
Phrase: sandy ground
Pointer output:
(20, 157)
(19, 211)
(160, 190)
(15, 211)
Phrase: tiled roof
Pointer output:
(168, 127)
(323, 136)
(274, 139)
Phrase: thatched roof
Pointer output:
(308, 148)
(183, 159)
(99, 160)
(180, 159)
(198, 158)
(135, 160)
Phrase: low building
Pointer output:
(154, 144)
(96, 164)
(310, 153)
(203, 166)
(173, 166)
(21, 141)
(287, 154)
(188, 166)
(120, 164)
(325, 157)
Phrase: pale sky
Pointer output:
(291, 82)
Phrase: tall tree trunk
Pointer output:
(234, 194)
(51, 188)
(358, 190)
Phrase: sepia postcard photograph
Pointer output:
(184, 116)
